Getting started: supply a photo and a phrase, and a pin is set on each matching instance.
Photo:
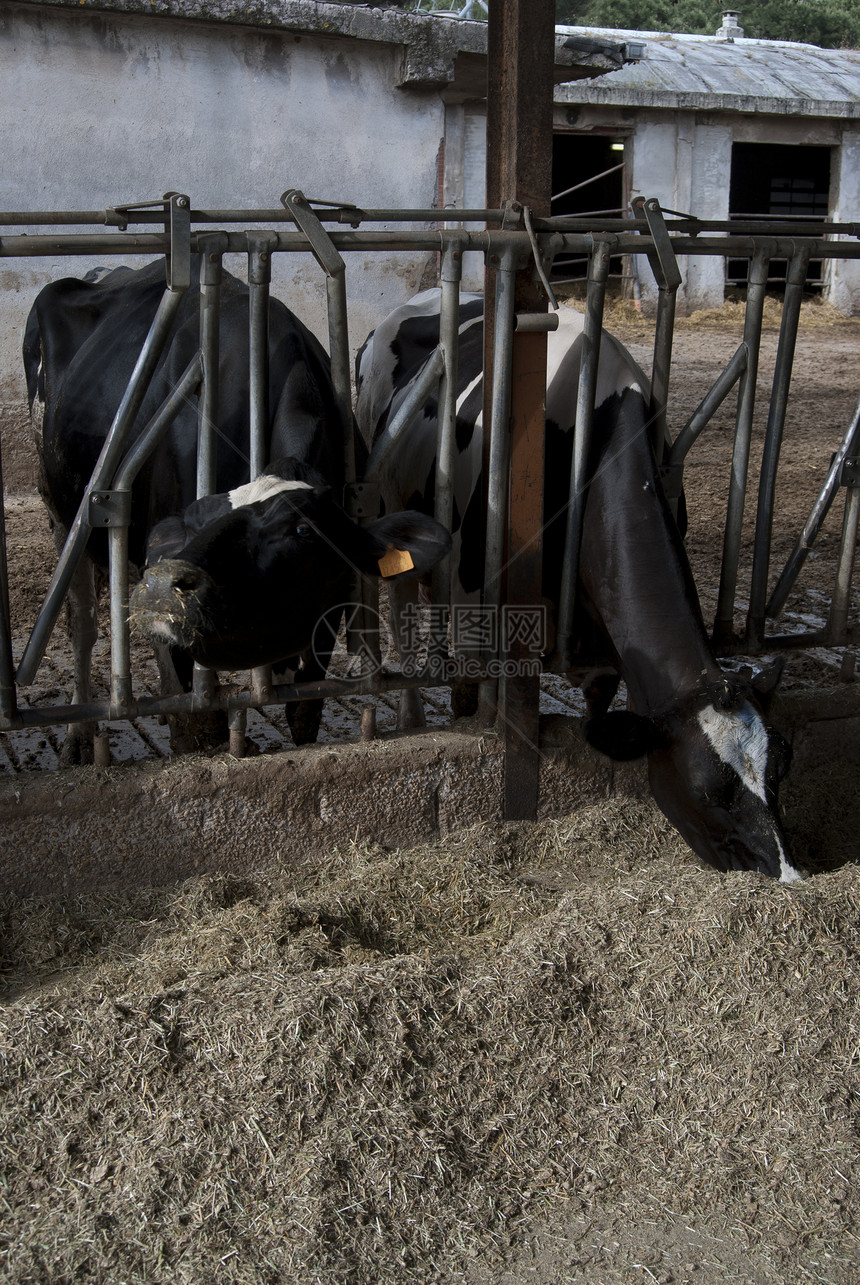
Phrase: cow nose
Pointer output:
(165, 576)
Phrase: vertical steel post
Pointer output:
(598, 275)
(838, 620)
(114, 509)
(668, 275)
(724, 621)
(120, 648)
(211, 249)
(259, 279)
(794, 283)
(498, 469)
(520, 60)
(449, 342)
(8, 702)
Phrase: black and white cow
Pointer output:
(714, 762)
(243, 577)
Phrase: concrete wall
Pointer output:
(85, 829)
(102, 108)
(683, 157)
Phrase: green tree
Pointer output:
(829, 23)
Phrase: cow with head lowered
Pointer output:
(714, 761)
(237, 579)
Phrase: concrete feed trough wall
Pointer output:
(88, 830)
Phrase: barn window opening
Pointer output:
(776, 180)
(588, 179)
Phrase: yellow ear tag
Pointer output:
(394, 561)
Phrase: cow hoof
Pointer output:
(464, 700)
(77, 748)
(304, 719)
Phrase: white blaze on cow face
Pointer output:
(263, 488)
(740, 740)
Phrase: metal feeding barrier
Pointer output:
(510, 241)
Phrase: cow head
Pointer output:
(243, 579)
(715, 765)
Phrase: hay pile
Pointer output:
(459, 1062)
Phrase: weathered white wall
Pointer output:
(98, 109)
(709, 199)
(683, 156)
(659, 165)
(843, 275)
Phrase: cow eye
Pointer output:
(303, 529)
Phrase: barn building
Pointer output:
(721, 127)
(121, 100)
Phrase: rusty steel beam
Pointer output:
(519, 168)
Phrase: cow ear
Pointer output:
(403, 545)
(621, 735)
(201, 512)
(166, 539)
(766, 681)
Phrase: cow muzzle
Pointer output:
(172, 603)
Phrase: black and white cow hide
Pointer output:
(714, 762)
(243, 577)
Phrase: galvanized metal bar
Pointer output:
(211, 249)
(203, 686)
(188, 702)
(595, 298)
(668, 276)
(449, 346)
(106, 464)
(211, 274)
(118, 535)
(259, 279)
(157, 425)
(724, 622)
(488, 241)
(178, 224)
(848, 447)
(841, 601)
(795, 280)
(331, 212)
(332, 263)
(120, 647)
(8, 697)
(497, 473)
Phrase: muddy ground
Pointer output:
(560, 1053)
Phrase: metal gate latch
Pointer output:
(109, 508)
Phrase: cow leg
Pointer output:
(304, 717)
(82, 626)
(403, 600)
(599, 690)
(83, 629)
(197, 733)
(464, 699)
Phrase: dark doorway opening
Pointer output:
(587, 178)
(778, 181)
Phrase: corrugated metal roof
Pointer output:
(741, 75)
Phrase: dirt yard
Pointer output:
(559, 1053)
